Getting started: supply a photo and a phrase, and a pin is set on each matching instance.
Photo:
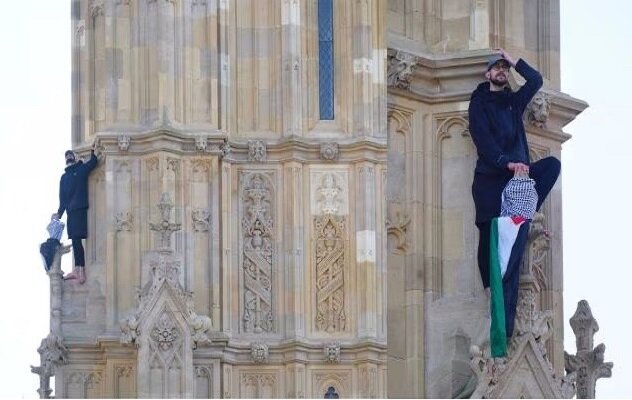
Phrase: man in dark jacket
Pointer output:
(495, 117)
(73, 198)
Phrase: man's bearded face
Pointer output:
(499, 73)
(70, 158)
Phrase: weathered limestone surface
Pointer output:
(437, 310)
(273, 258)
(275, 249)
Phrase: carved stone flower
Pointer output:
(332, 352)
(329, 151)
(259, 352)
(256, 150)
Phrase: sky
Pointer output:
(35, 120)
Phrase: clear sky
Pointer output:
(596, 173)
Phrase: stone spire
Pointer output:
(588, 363)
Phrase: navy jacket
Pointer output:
(496, 122)
(73, 186)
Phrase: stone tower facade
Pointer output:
(243, 218)
(236, 246)
(438, 324)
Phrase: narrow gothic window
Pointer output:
(326, 58)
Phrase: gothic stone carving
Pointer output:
(201, 143)
(164, 333)
(538, 110)
(164, 227)
(329, 231)
(329, 151)
(332, 352)
(398, 227)
(587, 365)
(201, 219)
(533, 328)
(400, 67)
(259, 352)
(165, 270)
(256, 150)
(123, 142)
(259, 385)
(123, 221)
(329, 195)
(257, 227)
(539, 246)
(52, 354)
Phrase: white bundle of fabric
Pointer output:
(519, 198)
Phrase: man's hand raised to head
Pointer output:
(506, 56)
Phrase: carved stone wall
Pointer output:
(436, 57)
(216, 103)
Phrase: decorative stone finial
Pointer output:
(587, 364)
(52, 353)
(164, 227)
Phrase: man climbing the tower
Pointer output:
(73, 198)
(497, 129)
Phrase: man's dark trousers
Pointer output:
(545, 172)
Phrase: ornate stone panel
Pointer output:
(204, 381)
(329, 192)
(83, 384)
(339, 379)
(330, 233)
(456, 273)
(259, 385)
(124, 382)
(257, 257)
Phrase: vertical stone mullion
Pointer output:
(362, 68)
(366, 248)
(293, 250)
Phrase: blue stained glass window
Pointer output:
(326, 58)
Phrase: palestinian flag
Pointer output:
(504, 232)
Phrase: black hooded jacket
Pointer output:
(73, 186)
(496, 122)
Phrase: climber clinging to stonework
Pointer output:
(73, 198)
(497, 129)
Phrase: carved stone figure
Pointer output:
(538, 109)
(201, 143)
(259, 352)
(129, 329)
(52, 354)
(201, 219)
(123, 142)
(400, 68)
(123, 221)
